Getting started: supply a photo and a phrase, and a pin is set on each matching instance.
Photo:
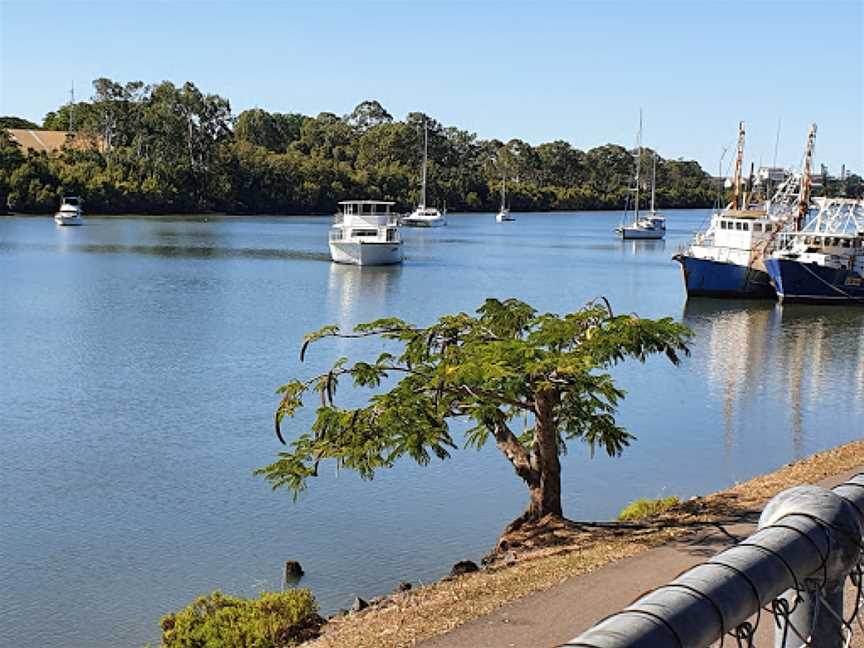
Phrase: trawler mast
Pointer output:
(806, 179)
(739, 160)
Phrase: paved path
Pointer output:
(552, 617)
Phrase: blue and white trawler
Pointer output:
(823, 261)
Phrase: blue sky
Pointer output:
(539, 71)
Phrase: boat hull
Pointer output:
(413, 221)
(709, 278)
(504, 217)
(811, 283)
(366, 254)
(62, 219)
(633, 233)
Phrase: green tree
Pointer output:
(10, 121)
(508, 361)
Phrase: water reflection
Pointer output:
(66, 244)
(801, 357)
(353, 290)
(643, 246)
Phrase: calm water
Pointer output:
(139, 358)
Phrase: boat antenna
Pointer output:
(71, 107)
(776, 143)
(720, 178)
(739, 159)
(748, 195)
(806, 179)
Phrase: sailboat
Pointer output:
(652, 226)
(424, 216)
(653, 216)
(504, 214)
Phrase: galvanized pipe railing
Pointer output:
(793, 568)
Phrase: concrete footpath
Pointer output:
(554, 616)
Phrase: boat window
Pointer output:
(391, 234)
(358, 232)
(757, 227)
(845, 243)
(745, 227)
(738, 225)
(722, 224)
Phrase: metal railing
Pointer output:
(791, 572)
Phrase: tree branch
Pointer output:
(515, 452)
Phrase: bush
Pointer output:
(646, 508)
(272, 620)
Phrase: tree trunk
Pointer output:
(544, 482)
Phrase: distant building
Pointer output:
(771, 175)
(51, 142)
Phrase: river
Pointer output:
(139, 359)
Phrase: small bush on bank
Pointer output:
(273, 620)
(646, 508)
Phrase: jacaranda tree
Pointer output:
(508, 361)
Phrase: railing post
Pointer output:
(809, 540)
(827, 631)
(814, 609)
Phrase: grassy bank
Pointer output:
(537, 561)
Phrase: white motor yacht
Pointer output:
(424, 216)
(504, 214)
(364, 233)
(70, 212)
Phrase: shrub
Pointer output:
(646, 508)
(272, 620)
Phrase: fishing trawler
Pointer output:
(365, 232)
(823, 260)
(70, 212)
(424, 216)
(652, 226)
(726, 259)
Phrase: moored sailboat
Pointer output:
(652, 226)
(504, 214)
(424, 216)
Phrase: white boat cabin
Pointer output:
(366, 220)
(733, 234)
(365, 232)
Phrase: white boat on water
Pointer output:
(424, 216)
(70, 212)
(504, 214)
(652, 225)
(365, 233)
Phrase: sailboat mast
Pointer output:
(425, 154)
(503, 192)
(806, 179)
(653, 182)
(638, 165)
(739, 160)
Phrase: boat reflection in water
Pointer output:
(765, 360)
(361, 293)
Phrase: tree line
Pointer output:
(170, 149)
